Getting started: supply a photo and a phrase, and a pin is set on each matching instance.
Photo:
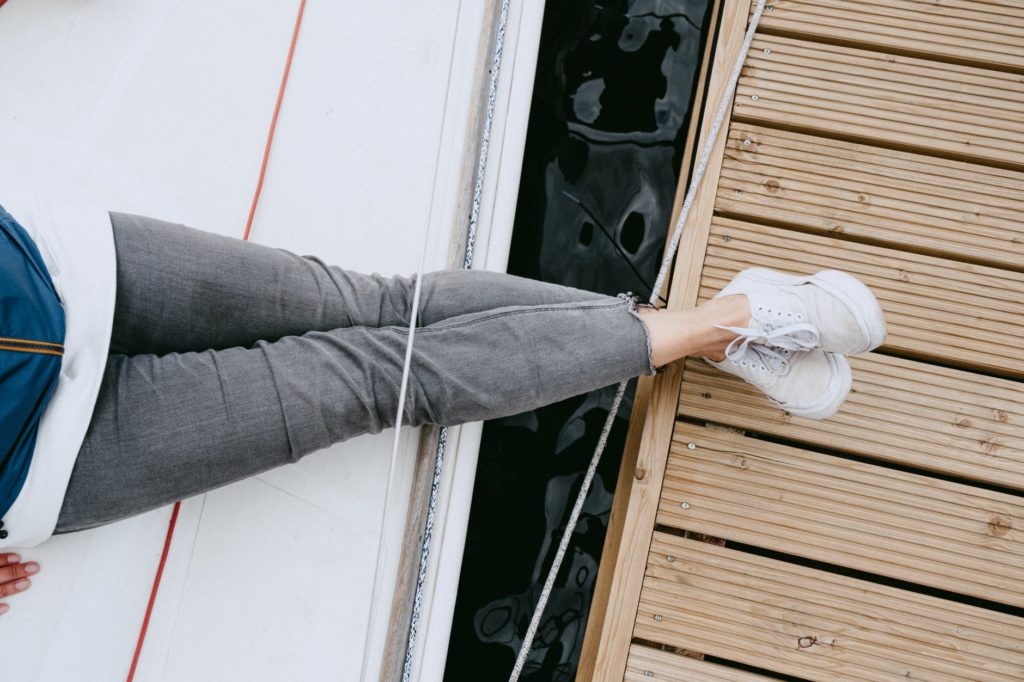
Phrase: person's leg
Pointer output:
(182, 289)
(678, 333)
(168, 427)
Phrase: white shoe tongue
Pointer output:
(774, 360)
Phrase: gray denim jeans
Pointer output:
(229, 358)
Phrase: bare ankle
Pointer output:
(728, 311)
(660, 332)
(678, 333)
(715, 356)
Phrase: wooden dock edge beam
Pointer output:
(630, 527)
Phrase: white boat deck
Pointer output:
(164, 108)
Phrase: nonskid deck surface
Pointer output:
(163, 109)
(880, 137)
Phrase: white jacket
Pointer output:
(74, 237)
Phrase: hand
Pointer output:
(14, 576)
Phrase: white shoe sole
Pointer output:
(838, 390)
(835, 395)
(848, 289)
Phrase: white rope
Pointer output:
(389, 488)
(388, 491)
(666, 263)
(613, 411)
(467, 263)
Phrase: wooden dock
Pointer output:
(885, 138)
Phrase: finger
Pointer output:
(9, 558)
(7, 589)
(8, 573)
(3, 609)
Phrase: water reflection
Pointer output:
(607, 128)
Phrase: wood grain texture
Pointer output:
(917, 203)
(910, 413)
(959, 313)
(901, 525)
(607, 640)
(638, 417)
(901, 164)
(945, 109)
(647, 664)
(981, 34)
(818, 625)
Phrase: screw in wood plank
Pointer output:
(658, 618)
(770, 8)
(670, 558)
(767, 50)
(747, 142)
(726, 238)
(691, 446)
(685, 505)
(648, 673)
(754, 97)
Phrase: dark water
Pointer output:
(607, 127)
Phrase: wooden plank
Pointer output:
(947, 208)
(817, 625)
(934, 418)
(1003, 12)
(972, 33)
(645, 664)
(906, 526)
(960, 313)
(607, 640)
(883, 98)
(641, 407)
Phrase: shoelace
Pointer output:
(770, 346)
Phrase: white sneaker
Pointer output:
(811, 384)
(789, 311)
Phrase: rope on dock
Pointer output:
(666, 263)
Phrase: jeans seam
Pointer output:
(294, 454)
(507, 313)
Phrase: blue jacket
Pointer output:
(31, 349)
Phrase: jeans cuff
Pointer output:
(634, 305)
